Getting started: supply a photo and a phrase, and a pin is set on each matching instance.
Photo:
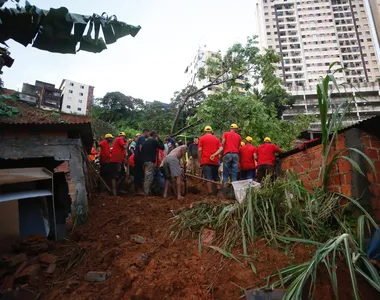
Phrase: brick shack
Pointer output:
(55, 141)
(365, 136)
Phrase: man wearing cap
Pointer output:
(105, 155)
(266, 156)
(247, 154)
(193, 156)
(117, 161)
(231, 143)
(209, 147)
(138, 170)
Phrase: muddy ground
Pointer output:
(160, 268)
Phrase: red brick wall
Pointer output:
(372, 150)
(307, 165)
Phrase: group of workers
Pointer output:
(146, 157)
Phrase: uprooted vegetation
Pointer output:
(284, 212)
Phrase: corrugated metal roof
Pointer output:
(34, 115)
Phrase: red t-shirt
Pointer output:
(232, 142)
(118, 151)
(247, 161)
(105, 152)
(132, 160)
(266, 154)
(160, 157)
(209, 144)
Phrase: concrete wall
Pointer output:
(21, 145)
(343, 177)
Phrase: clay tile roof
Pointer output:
(34, 115)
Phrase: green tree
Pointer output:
(273, 91)
(240, 61)
(116, 106)
(100, 128)
(157, 117)
(189, 109)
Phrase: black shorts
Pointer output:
(116, 170)
(104, 169)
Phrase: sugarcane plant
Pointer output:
(331, 124)
(348, 246)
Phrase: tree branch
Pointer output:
(187, 127)
(213, 83)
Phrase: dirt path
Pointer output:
(156, 269)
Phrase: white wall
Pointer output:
(75, 96)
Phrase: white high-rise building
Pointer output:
(77, 98)
(310, 36)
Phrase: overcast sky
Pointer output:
(151, 65)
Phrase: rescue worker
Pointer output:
(105, 155)
(172, 169)
(266, 157)
(248, 155)
(193, 156)
(149, 155)
(209, 148)
(231, 143)
(117, 162)
(138, 169)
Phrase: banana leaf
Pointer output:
(108, 31)
(80, 23)
(21, 26)
(122, 29)
(89, 44)
(57, 45)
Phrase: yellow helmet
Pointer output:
(137, 135)
(208, 129)
(108, 135)
(249, 139)
(267, 140)
(234, 126)
(122, 133)
(242, 144)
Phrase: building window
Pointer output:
(82, 87)
(68, 106)
(71, 84)
(70, 91)
(80, 94)
(80, 101)
(79, 109)
(376, 69)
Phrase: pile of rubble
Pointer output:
(27, 259)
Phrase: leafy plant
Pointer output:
(8, 110)
(280, 208)
(328, 254)
(330, 126)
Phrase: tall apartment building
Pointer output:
(311, 35)
(375, 9)
(77, 98)
(199, 61)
